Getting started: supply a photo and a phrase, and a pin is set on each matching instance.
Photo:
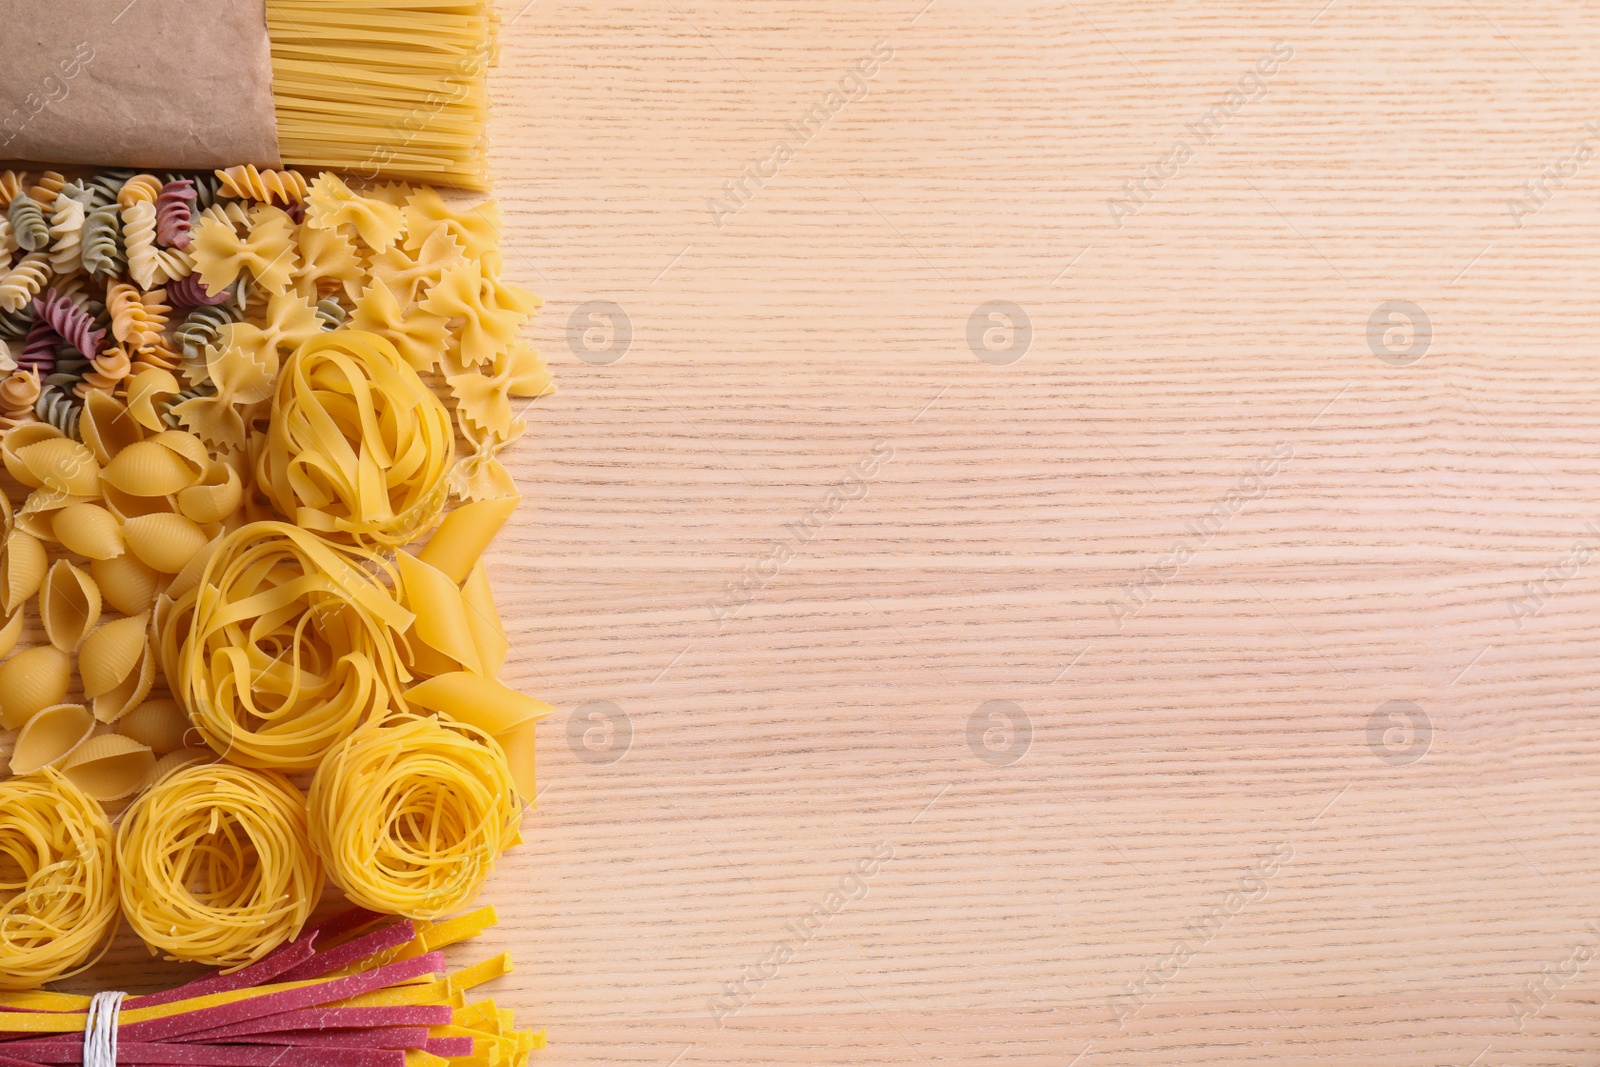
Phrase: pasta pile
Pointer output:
(213, 855)
(61, 910)
(352, 992)
(232, 405)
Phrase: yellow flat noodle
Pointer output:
(359, 448)
(285, 647)
(483, 971)
(117, 666)
(216, 865)
(44, 1000)
(50, 736)
(483, 702)
(464, 534)
(31, 681)
(411, 816)
(488, 635)
(109, 767)
(431, 936)
(69, 605)
(159, 724)
(58, 897)
(438, 992)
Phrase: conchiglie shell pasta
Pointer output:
(9, 634)
(62, 465)
(125, 583)
(186, 446)
(89, 530)
(126, 506)
(160, 724)
(50, 736)
(109, 767)
(106, 427)
(149, 469)
(164, 542)
(194, 570)
(117, 667)
(38, 513)
(176, 761)
(23, 569)
(31, 681)
(15, 441)
(216, 498)
(69, 605)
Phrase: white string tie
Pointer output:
(100, 1030)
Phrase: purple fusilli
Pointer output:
(39, 349)
(70, 321)
(190, 292)
(174, 214)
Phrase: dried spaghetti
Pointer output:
(57, 880)
(216, 865)
(285, 646)
(411, 816)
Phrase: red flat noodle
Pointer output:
(162, 1054)
(269, 967)
(273, 1003)
(330, 1018)
(449, 1046)
(352, 952)
(372, 1037)
(334, 930)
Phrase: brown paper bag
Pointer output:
(174, 84)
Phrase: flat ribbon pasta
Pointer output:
(359, 448)
(284, 647)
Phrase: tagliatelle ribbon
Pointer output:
(349, 993)
(285, 647)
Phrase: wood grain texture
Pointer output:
(1419, 879)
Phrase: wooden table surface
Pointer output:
(1188, 659)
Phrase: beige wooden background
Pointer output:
(1425, 874)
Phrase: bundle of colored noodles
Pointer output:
(357, 991)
